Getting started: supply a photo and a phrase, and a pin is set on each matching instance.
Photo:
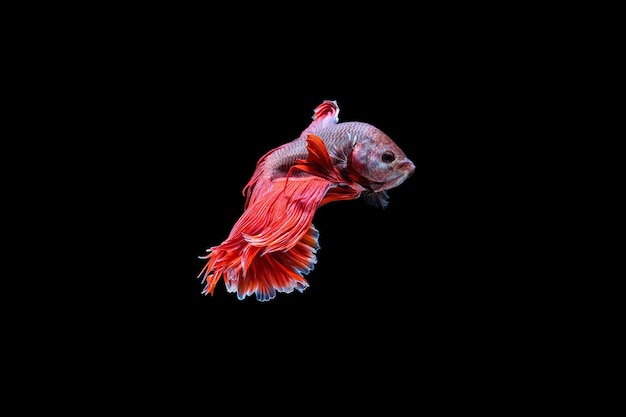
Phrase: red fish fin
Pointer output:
(278, 271)
(318, 161)
(324, 115)
(257, 177)
(273, 244)
(283, 212)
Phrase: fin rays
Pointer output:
(274, 243)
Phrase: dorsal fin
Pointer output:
(326, 114)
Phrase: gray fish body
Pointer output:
(360, 151)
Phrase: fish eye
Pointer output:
(387, 157)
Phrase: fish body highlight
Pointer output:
(273, 244)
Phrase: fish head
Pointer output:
(377, 162)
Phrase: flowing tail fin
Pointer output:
(246, 272)
(274, 242)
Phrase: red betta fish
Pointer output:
(274, 242)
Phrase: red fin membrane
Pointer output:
(273, 244)
(319, 163)
(324, 115)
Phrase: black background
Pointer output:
(169, 130)
(429, 283)
(181, 132)
(152, 127)
(428, 256)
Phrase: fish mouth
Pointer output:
(406, 169)
(397, 180)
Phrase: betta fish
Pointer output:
(273, 244)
